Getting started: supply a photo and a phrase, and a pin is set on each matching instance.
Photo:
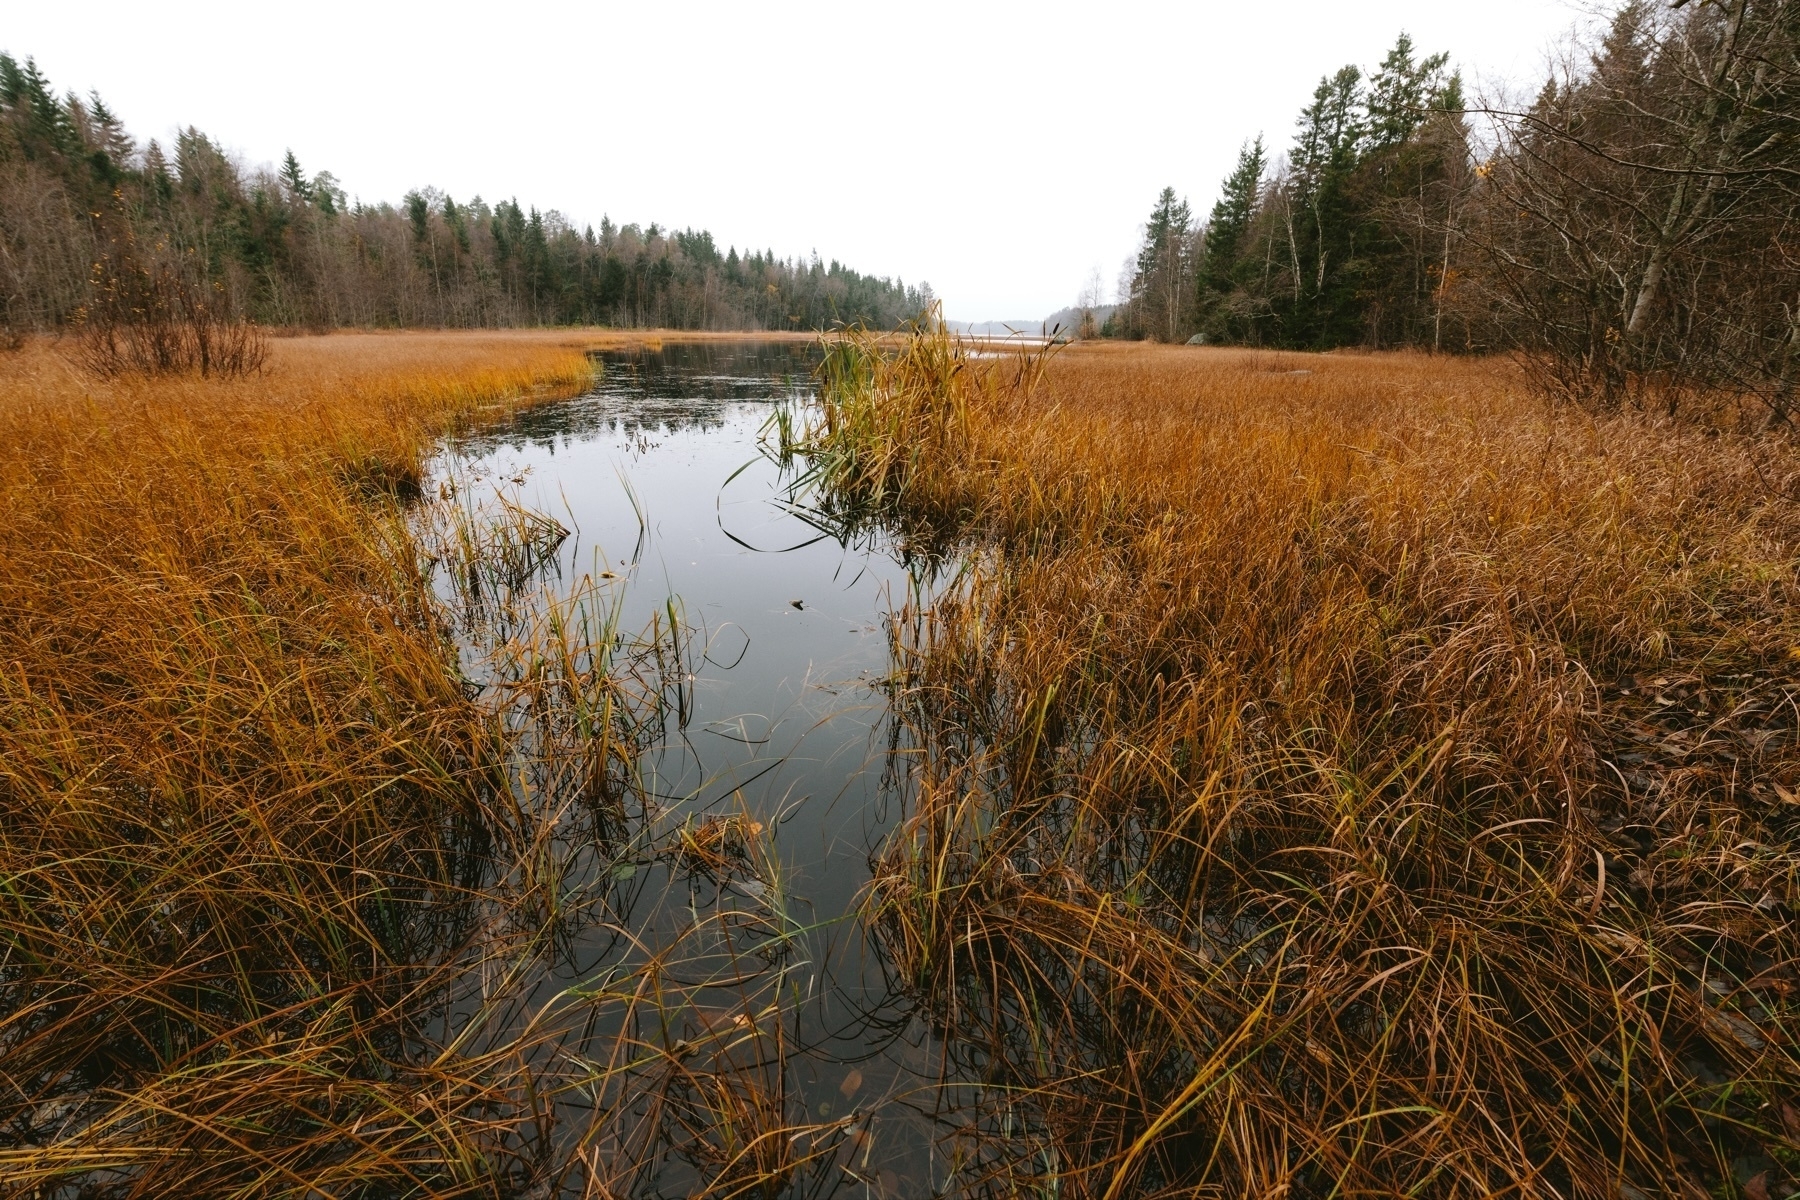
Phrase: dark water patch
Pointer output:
(733, 873)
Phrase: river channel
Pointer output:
(665, 480)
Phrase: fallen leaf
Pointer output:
(1730, 1025)
(851, 1083)
(1618, 939)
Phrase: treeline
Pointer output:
(1339, 242)
(1632, 229)
(83, 205)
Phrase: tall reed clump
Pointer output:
(271, 868)
(1338, 776)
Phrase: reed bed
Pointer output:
(1334, 775)
(318, 822)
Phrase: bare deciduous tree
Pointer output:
(1633, 228)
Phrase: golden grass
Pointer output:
(1331, 776)
(1336, 775)
(276, 884)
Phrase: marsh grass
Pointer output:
(1334, 775)
(320, 826)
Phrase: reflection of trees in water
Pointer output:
(663, 1015)
(646, 392)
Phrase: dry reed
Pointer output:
(288, 895)
(1335, 775)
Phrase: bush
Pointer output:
(155, 318)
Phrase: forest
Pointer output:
(86, 211)
(1629, 229)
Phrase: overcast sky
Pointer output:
(1001, 152)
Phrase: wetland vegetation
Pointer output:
(1337, 776)
(595, 764)
(1261, 813)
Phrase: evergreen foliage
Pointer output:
(1159, 289)
(287, 249)
(1630, 231)
(1336, 247)
(1223, 258)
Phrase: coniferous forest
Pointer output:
(1630, 226)
(86, 209)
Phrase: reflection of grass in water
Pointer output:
(1283, 814)
(281, 890)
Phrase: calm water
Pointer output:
(660, 473)
(791, 621)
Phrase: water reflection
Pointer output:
(660, 477)
(737, 877)
(654, 390)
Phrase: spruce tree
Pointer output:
(1402, 94)
(1223, 246)
(1160, 287)
(294, 178)
(1319, 309)
(286, 249)
(418, 211)
(109, 131)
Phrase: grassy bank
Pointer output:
(1337, 775)
(271, 872)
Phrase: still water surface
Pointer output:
(661, 473)
(792, 621)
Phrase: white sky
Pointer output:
(998, 151)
